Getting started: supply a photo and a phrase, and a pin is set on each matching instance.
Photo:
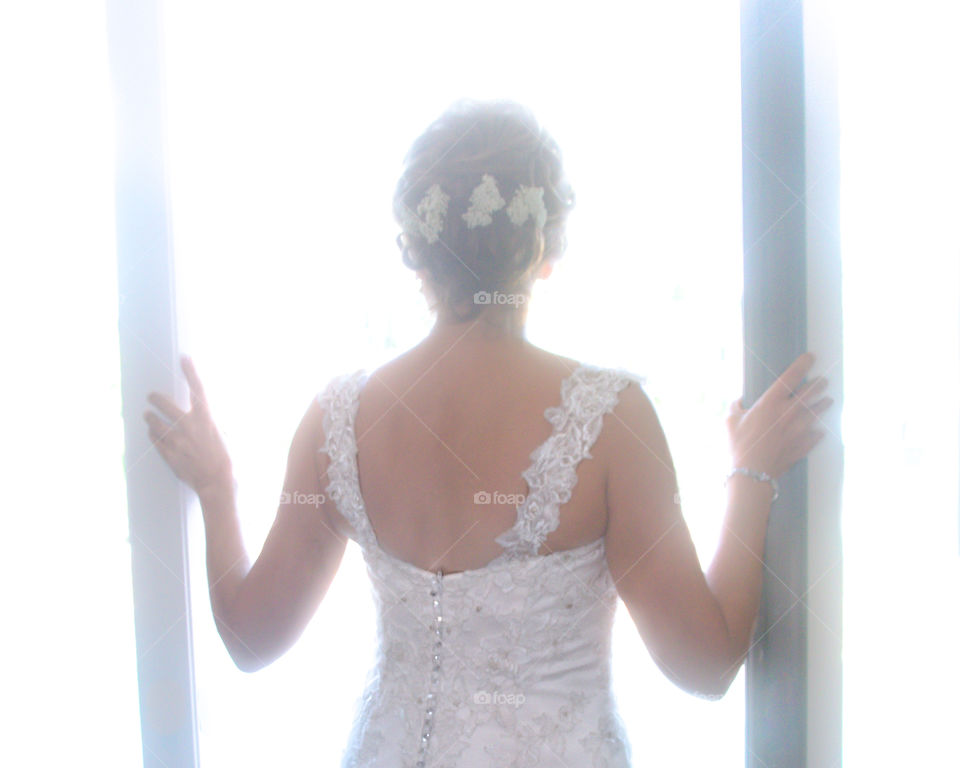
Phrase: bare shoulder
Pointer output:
(642, 499)
(636, 428)
(628, 436)
(393, 377)
(553, 361)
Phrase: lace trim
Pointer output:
(586, 396)
(339, 402)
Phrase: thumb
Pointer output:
(735, 414)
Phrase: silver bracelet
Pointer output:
(761, 476)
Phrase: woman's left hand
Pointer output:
(190, 443)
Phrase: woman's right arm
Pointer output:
(698, 626)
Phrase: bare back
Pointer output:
(433, 431)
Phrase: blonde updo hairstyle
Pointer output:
(471, 138)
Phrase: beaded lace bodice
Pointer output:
(503, 665)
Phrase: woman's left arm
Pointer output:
(260, 611)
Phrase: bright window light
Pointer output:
(70, 659)
(900, 161)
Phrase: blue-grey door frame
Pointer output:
(791, 263)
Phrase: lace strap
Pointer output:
(339, 403)
(587, 395)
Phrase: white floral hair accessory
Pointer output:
(431, 212)
(485, 200)
(527, 201)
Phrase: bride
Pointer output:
(504, 498)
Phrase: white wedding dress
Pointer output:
(507, 665)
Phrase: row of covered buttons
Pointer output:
(435, 593)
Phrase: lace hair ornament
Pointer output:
(485, 200)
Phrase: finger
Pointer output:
(161, 445)
(804, 410)
(735, 414)
(789, 380)
(169, 453)
(159, 430)
(804, 418)
(166, 406)
(198, 398)
(811, 387)
(817, 408)
(807, 443)
(154, 422)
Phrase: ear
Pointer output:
(546, 270)
(426, 290)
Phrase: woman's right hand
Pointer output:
(190, 443)
(778, 430)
